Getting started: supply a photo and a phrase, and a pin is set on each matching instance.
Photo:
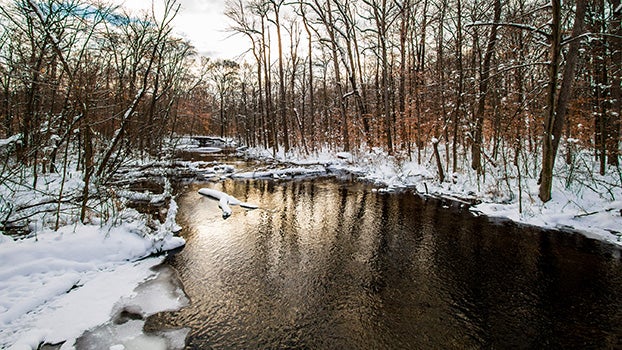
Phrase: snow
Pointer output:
(195, 148)
(286, 173)
(224, 200)
(157, 294)
(9, 141)
(56, 285)
(345, 155)
(73, 285)
(129, 335)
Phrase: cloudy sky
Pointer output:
(203, 23)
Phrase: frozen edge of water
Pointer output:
(545, 215)
(159, 293)
(157, 289)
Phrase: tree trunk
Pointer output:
(382, 28)
(459, 97)
(439, 164)
(616, 82)
(282, 100)
(328, 23)
(476, 147)
(554, 121)
(305, 22)
(404, 28)
(88, 170)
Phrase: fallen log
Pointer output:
(225, 200)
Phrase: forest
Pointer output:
(367, 174)
(85, 85)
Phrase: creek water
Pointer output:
(333, 264)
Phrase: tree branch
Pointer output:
(512, 25)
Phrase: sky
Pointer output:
(202, 22)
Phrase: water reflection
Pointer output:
(325, 264)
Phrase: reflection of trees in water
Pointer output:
(325, 263)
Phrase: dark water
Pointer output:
(326, 264)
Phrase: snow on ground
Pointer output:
(286, 173)
(207, 169)
(125, 331)
(55, 285)
(193, 148)
(582, 200)
(58, 284)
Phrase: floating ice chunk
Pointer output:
(130, 335)
(215, 194)
(223, 203)
(164, 292)
(248, 205)
(209, 149)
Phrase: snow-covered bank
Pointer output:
(582, 201)
(286, 173)
(56, 285)
(125, 330)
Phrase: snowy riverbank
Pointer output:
(57, 284)
(582, 201)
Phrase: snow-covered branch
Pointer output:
(225, 200)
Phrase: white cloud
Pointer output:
(202, 22)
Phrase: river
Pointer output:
(329, 263)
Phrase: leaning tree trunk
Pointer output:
(557, 106)
(476, 147)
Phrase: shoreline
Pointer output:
(566, 212)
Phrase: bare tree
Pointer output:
(615, 29)
(325, 14)
(476, 147)
(557, 105)
(154, 36)
(246, 25)
(224, 74)
(381, 13)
